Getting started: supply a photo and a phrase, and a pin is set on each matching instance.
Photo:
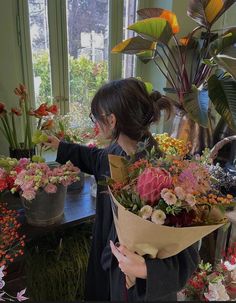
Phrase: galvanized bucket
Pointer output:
(47, 208)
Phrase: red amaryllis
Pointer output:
(41, 111)
(53, 109)
(16, 111)
(21, 91)
(47, 125)
(2, 108)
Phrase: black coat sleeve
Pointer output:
(86, 158)
(165, 277)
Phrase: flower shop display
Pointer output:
(172, 197)
(217, 283)
(11, 246)
(43, 191)
(24, 146)
(190, 65)
(42, 188)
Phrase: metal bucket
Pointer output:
(46, 209)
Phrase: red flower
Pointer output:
(10, 182)
(47, 125)
(21, 91)
(16, 111)
(41, 111)
(3, 185)
(53, 109)
(2, 108)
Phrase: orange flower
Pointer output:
(49, 124)
(41, 111)
(2, 109)
(21, 91)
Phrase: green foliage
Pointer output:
(85, 78)
(56, 265)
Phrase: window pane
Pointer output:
(40, 50)
(129, 17)
(88, 52)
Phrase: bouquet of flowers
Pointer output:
(171, 196)
(214, 284)
(11, 246)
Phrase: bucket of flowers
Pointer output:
(172, 196)
(11, 247)
(42, 188)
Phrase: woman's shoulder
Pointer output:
(114, 149)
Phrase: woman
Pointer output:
(123, 110)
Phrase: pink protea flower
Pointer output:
(151, 182)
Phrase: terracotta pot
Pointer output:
(186, 129)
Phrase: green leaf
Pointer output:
(207, 12)
(145, 56)
(223, 42)
(196, 105)
(133, 46)
(154, 29)
(161, 13)
(222, 93)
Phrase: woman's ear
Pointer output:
(112, 121)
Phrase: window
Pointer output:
(70, 44)
(38, 19)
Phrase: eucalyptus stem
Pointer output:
(14, 130)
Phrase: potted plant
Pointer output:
(189, 65)
(23, 114)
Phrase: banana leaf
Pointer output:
(196, 104)
(133, 45)
(222, 93)
(206, 12)
(153, 29)
(161, 13)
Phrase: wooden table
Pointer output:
(79, 207)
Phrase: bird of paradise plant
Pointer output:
(193, 60)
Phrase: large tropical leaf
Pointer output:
(206, 12)
(196, 105)
(133, 45)
(222, 93)
(145, 56)
(154, 29)
(161, 13)
(223, 51)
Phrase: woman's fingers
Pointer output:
(119, 256)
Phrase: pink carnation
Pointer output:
(50, 188)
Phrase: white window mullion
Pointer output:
(23, 28)
(59, 52)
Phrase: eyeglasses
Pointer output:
(94, 120)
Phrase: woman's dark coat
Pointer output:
(105, 281)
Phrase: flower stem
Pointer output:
(14, 130)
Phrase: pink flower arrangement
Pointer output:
(39, 176)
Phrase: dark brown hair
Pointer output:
(132, 106)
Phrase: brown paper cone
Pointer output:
(145, 237)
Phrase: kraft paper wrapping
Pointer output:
(145, 237)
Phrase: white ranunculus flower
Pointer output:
(190, 199)
(216, 292)
(229, 266)
(158, 217)
(145, 212)
(169, 198)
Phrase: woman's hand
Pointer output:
(53, 142)
(130, 263)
